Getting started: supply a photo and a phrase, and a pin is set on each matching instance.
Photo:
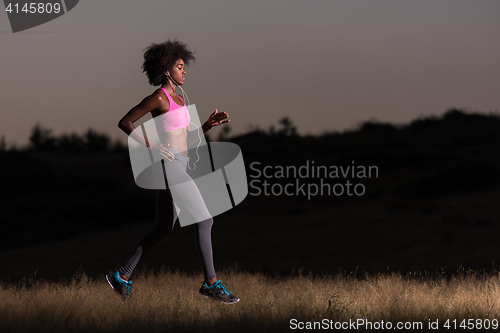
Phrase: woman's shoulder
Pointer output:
(164, 104)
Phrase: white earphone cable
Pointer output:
(186, 98)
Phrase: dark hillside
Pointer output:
(433, 204)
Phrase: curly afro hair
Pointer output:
(160, 58)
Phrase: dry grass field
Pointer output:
(168, 301)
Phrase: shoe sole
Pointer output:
(111, 284)
(217, 300)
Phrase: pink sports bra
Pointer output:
(176, 117)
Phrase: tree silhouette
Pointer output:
(288, 128)
(96, 141)
(41, 138)
(224, 134)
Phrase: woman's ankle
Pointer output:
(123, 277)
(211, 281)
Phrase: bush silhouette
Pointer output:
(41, 139)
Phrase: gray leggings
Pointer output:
(165, 220)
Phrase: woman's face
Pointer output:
(178, 73)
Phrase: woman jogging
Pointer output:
(164, 65)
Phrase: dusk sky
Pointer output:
(328, 65)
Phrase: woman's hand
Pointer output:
(163, 151)
(217, 118)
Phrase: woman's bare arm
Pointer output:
(126, 124)
(215, 119)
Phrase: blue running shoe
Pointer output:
(120, 286)
(218, 292)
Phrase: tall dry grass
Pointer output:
(169, 302)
